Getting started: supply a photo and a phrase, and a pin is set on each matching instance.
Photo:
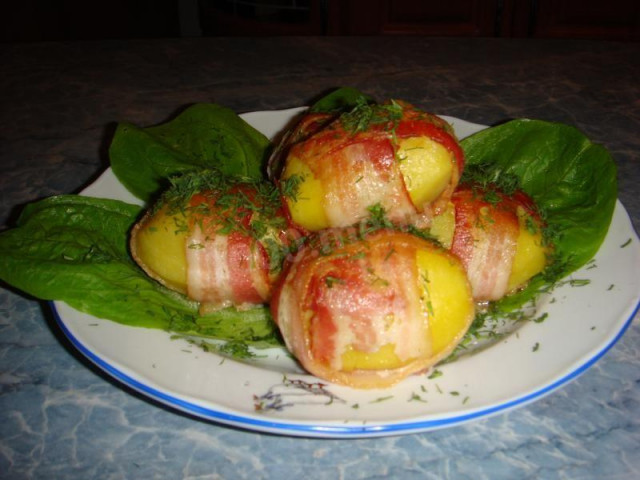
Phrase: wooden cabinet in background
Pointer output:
(611, 19)
(47, 20)
(263, 17)
(413, 17)
(607, 19)
(40, 20)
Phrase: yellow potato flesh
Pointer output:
(426, 166)
(447, 298)
(531, 255)
(306, 209)
(447, 307)
(159, 247)
(443, 226)
(384, 358)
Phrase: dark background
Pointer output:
(46, 20)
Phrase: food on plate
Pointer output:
(389, 167)
(214, 239)
(498, 237)
(394, 155)
(367, 311)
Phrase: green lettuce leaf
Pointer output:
(571, 180)
(203, 136)
(340, 100)
(75, 249)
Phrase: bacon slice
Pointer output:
(485, 239)
(227, 265)
(356, 175)
(226, 270)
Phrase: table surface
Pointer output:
(62, 418)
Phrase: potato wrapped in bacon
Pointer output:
(331, 169)
(368, 312)
(498, 238)
(218, 241)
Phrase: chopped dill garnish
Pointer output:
(493, 322)
(226, 204)
(424, 277)
(365, 114)
(531, 225)
(422, 233)
(491, 196)
(628, 242)
(330, 281)
(378, 217)
(378, 280)
(236, 350)
(487, 178)
(389, 253)
(416, 398)
(382, 399)
(290, 186)
(541, 318)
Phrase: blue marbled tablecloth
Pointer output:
(62, 418)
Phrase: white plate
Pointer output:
(274, 395)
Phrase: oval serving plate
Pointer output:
(272, 394)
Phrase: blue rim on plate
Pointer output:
(319, 430)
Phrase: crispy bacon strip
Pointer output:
(226, 270)
(356, 175)
(227, 265)
(485, 238)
